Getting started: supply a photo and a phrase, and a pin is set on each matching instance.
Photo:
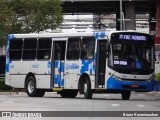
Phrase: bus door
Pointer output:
(58, 60)
(101, 63)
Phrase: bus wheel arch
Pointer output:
(84, 86)
(31, 86)
(28, 75)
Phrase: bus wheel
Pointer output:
(87, 89)
(30, 87)
(69, 93)
(40, 93)
(126, 95)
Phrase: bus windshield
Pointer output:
(132, 56)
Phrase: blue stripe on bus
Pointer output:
(7, 55)
(62, 83)
(85, 66)
(59, 79)
(115, 84)
(56, 64)
(62, 66)
(56, 79)
(88, 66)
(8, 61)
(102, 35)
(96, 35)
(49, 64)
(62, 74)
(99, 35)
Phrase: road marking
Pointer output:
(115, 105)
(8, 102)
(140, 105)
(149, 99)
(141, 95)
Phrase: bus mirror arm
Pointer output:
(107, 50)
(107, 47)
(107, 54)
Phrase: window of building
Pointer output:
(29, 50)
(44, 48)
(15, 51)
(73, 48)
(87, 48)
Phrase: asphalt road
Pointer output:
(100, 102)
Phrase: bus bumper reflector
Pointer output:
(57, 89)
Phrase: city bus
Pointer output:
(84, 62)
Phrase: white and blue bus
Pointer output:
(84, 62)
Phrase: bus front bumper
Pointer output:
(138, 86)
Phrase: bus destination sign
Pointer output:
(132, 37)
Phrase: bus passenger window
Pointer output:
(44, 49)
(15, 50)
(73, 48)
(60, 50)
(87, 49)
(29, 50)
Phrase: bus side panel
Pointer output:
(18, 72)
(42, 71)
(41, 67)
(7, 78)
(17, 81)
(19, 67)
(43, 81)
(72, 81)
(71, 74)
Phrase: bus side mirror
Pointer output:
(107, 50)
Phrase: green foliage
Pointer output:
(28, 16)
(4, 87)
(157, 76)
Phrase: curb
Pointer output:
(6, 93)
(153, 92)
(21, 93)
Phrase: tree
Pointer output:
(5, 20)
(28, 16)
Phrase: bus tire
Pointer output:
(87, 88)
(126, 95)
(40, 93)
(30, 87)
(68, 93)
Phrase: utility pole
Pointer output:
(121, 22)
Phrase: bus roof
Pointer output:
(68, 34)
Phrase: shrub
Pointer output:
(4, 87)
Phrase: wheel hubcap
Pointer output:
(30, 86)
(85, 88)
